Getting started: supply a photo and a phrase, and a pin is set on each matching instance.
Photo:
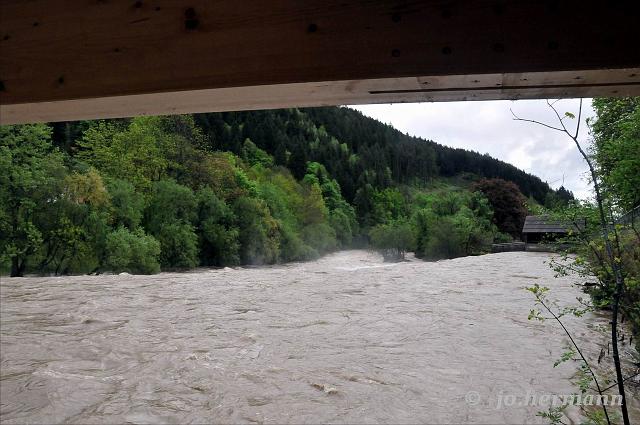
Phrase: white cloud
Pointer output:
(488, 127)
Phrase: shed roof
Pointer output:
(546, 224)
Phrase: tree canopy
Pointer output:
(260, 187)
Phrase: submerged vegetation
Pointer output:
(156, 193)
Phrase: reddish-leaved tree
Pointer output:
(508, 203)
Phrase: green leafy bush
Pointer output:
(219, 244)
(127, 205)
(393, 240)
(169, 218)
(447, 240)
(454, 224)
(179, 245)
(320, 236)
(132, 252)
(258, 232)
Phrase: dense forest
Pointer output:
(357, 150)
(616, 156)
(150, 193)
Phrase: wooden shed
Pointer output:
(539, 228)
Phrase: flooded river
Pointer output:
(345, 339)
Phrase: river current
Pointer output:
(344, 339)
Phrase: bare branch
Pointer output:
(616, 270)
(566, 331)
(517, 118)
(553, 108)
(579, 118)
(627, 378)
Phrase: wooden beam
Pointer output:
(73, 59)
(410, 89)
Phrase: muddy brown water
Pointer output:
(345, 339)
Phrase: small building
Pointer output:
(540, 228)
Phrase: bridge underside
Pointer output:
(66, 60)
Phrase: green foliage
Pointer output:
(320, 236)
(169, 202)
(554, 415)
(219, 243)
(453, 224)
(447, 240)
(388, 204)
(616, 133)
(545, 309)
(293, 247)
(225, 189)
(258, 232)
(313, 209)
(393, 240)
(342, 216)
(557, 199)
(384, 153)
(135, 153)
(168, 217)
(132, 252)
(300, 213)
(253, 155)
(76, 229)
(569, 354)
(344, 224)
(588, 259)
(179, 245)
(219, 171)
(127, 205)
(628, 257)
(31, 175)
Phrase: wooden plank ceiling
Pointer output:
(80, 59)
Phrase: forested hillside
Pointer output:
(357, 150)
(258, 187)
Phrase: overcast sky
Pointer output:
(488, 127)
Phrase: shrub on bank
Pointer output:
(393, 240)
(453, 225)
(630, 265)
(132, 252)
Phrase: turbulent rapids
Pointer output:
(345, 339)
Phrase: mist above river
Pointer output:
(345, 339)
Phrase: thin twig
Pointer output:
(579, 119)
(615, 383)
(517, 118)
(566, 331)
(617, 272)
